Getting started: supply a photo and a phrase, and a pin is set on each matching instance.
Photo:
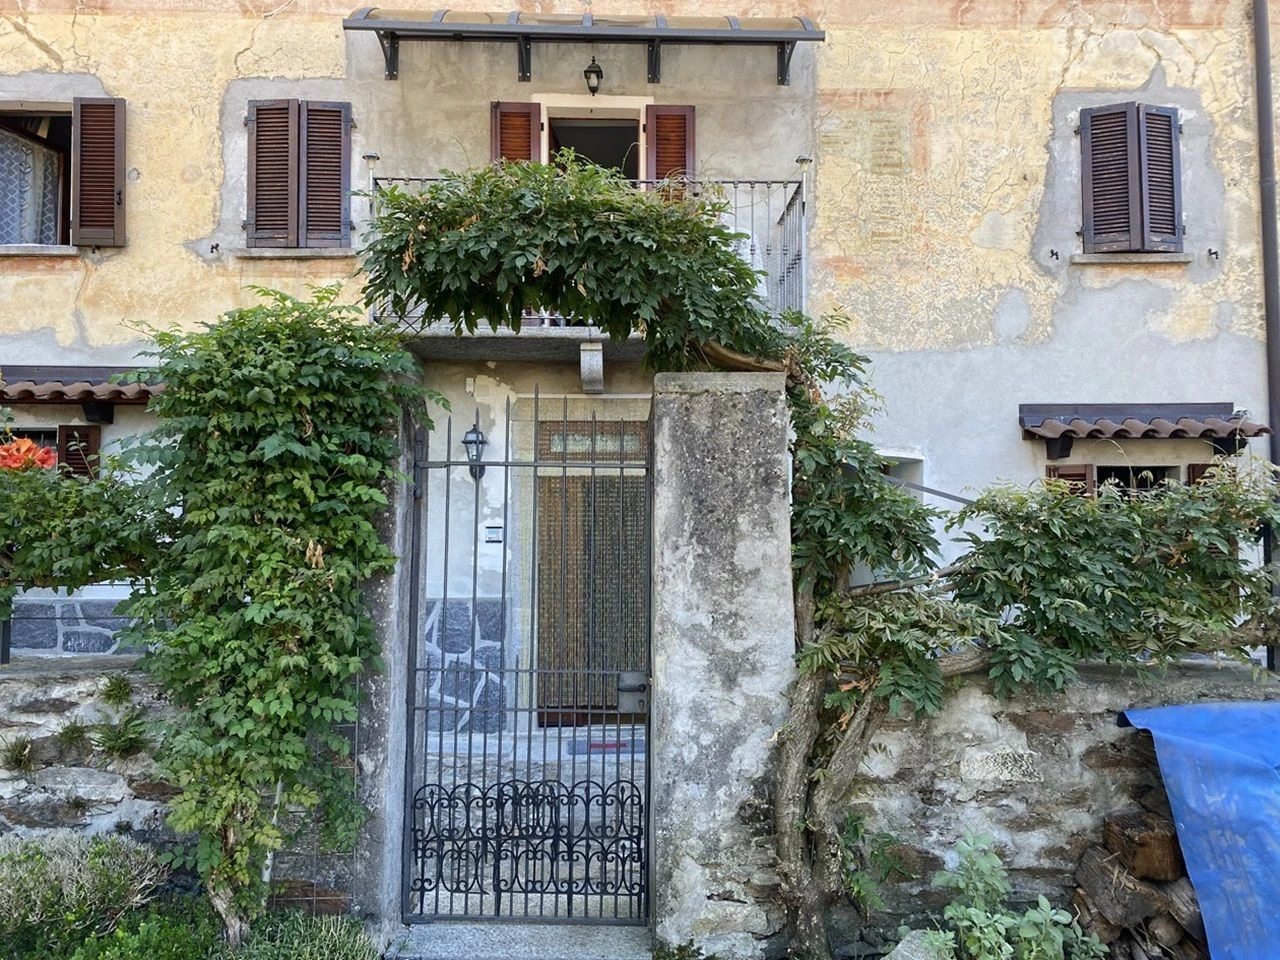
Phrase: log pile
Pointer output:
(1133, 893)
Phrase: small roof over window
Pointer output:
(37, 384)
(391, 26)
(1058, 424)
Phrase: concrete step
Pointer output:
(525, 941)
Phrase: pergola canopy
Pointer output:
(392, 26)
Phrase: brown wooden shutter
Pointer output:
(78, 450)
(516, 131)
(1110, 178)
(669, 132)
(97, 172)
(1197, 471)
(1161, 178)
(272, 207)
(1081, 476)
(325, 141)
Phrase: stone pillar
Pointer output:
(722, 655)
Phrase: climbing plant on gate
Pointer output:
(1047, 578)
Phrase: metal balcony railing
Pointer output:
(768, 215)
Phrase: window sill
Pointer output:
(294, 253)
(1111, 259)
(38, 250)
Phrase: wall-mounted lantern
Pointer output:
(593, 74)
(474, 443)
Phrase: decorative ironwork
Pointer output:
(530, 838)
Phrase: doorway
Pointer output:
(611, 143)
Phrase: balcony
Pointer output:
(768, 216)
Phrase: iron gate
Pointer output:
(527, 790)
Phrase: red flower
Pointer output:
(22, 454)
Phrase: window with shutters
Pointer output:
(1086, 479)
(644, 142)
(1131, 179)
(77, 446)
(299, 174)
(62, 175)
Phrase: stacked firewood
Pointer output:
(1134, 894)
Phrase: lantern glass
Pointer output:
(474, 442)
(593, 74)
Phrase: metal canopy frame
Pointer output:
(586, 30)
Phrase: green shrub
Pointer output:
(297, 936)
(980, 926)
(59, 889)
(184, 928)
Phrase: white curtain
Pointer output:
(29, 191)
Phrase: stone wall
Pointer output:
(69, 780)
(1038, 774)
(52, 777)
(723, 642)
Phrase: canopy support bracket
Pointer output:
(655, 61)
(785, 51)
(524, 58)
(390, 44)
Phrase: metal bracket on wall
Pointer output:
(655, 61)
(785, 51)
(524, 58)
(390, 44)
(1057, 448)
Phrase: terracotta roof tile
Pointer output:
(30, 384)
(1203, 421)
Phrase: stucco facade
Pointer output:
(937, 148)
(943, 200)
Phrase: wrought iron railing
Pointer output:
(767, 214)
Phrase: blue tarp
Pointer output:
(1221, 766)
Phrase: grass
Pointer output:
(73, 735)
(18, 755)
(125, 737)
(117, 690)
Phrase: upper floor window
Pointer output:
(530, 131)
(299, 174)
(62, 174)
(1132, 179)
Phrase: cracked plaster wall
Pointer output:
(188, 69)
(947, 176)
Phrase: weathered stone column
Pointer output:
(722, 655)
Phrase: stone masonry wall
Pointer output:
(1037, 773)
(71, 781)
(50, 780)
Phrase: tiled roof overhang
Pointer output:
(523, 28)
(1058, 424)
(31, 384)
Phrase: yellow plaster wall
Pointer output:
(932, 131)
(931, 126)
(172, 66)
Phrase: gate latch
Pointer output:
(633, 692)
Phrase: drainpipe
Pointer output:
(1267, 209)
